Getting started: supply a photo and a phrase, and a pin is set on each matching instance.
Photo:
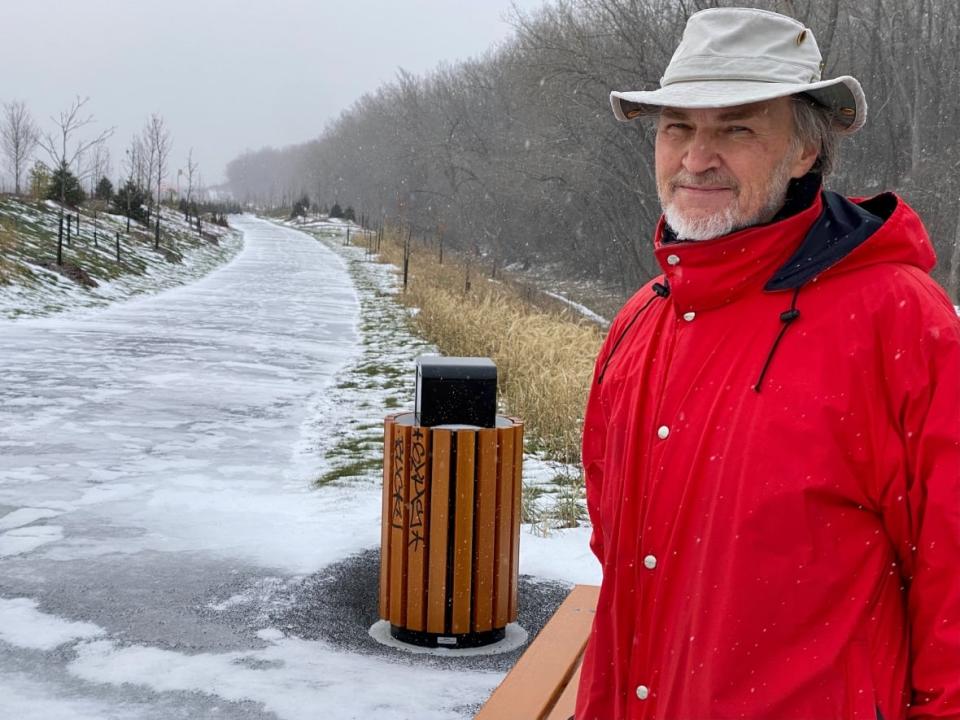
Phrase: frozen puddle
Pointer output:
(151, 455)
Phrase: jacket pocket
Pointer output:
(861, 697)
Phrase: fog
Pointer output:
(228, 76)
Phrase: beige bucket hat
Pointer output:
(736, 56)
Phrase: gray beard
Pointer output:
(727, 221)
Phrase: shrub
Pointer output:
(104, 189)
(300, 207)
(130, 200)
(64, 187)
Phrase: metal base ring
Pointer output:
(441, 640)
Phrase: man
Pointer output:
(772, 439)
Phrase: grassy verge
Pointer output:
(543, 351)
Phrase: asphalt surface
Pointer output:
(150, 452)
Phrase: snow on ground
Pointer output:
(174, 496)
(22, 625)
(582, 309)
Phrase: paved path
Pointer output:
(155, 478)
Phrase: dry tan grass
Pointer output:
(9, 268)
(544, 358)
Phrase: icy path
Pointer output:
(152, 458)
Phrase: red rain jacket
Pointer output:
(790, 550)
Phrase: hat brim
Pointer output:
(842, 95)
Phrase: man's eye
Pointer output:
(739, 130)
(677, 126)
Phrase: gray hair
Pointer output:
(813, 125)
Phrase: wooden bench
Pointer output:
(543, 683)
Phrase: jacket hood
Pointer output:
(851, 234)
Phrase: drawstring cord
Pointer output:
(787, 317)
(659, 290)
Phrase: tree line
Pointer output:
(516, 156)
(69, 163)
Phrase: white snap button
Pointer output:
(650, 562)
(689, 316)
(643, 692)
(673, 259)
(662, 432)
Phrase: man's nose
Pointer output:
(701, 154)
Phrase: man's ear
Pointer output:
(805, 161)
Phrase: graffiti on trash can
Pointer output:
(418, 458)
(396, 518)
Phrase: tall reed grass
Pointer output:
(544, 356)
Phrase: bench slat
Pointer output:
(543, 675)
(567, 702)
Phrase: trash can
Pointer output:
(450, 530)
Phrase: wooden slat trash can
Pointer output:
(451, 531)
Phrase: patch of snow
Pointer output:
(25, 699)
(582, 309)
(270, 634)
(564, 555)
(25, 516)
(22, 625)
(27, 539)
(296, 679)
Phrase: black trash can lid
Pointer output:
(456, 368)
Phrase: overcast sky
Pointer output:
(227, 76)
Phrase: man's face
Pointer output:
(722, 169)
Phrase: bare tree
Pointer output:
(159, 145)
(58, 146)
(133, 168)
(148, 160)
(192, 169)
(138, 163)
(98, 167)
(517, 152)
(18, 138)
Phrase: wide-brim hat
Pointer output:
(738, 56)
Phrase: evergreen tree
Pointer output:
(348, 214)
(336, 211)
(129, 201)
(300, 207)
(104, 189)
(64, 180)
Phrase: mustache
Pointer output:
(707, 179)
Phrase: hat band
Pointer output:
(714, 67)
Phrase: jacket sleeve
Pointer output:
(922, 511)
(594, 440)
(593, 448)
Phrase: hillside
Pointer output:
(32, 284)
